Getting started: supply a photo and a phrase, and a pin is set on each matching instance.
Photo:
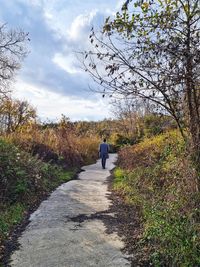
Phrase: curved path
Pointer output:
(65, 230)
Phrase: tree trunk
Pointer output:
(192, 103)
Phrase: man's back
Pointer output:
(103, 151)
(103, 148)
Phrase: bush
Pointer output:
(87, 147)
(173, 237)
(150, 150)
(155, 124)
(22, 176)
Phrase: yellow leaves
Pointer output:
(145, 6)
(150, 150)
(16, 113)
(186, 9)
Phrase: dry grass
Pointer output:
(59, 145)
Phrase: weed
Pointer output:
(9, 216)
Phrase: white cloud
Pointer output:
(77, 39)
(67, 17)
(81, 25)
(66, 63)
(51, 105)
(57, 17)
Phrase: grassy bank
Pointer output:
(157, 177)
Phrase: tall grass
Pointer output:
(60, 145)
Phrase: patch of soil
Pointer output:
(129, 227)
(11, 243)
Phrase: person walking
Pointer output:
(103, 153)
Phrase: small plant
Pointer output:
(9, 216)
(21, 186)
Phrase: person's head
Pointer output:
(104, 140)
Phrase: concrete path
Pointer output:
(64, 231)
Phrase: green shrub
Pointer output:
(21, 187)
(23, 177)
(174, 238)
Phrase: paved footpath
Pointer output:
(57, 236)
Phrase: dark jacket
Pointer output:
(103, 150)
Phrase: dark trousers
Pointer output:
(103, 161)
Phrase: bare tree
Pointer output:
(12, 51)
(129, 113)
(151, 49)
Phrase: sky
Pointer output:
(51, 78)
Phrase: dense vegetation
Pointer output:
(157, 177)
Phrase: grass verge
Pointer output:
(157, 178)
